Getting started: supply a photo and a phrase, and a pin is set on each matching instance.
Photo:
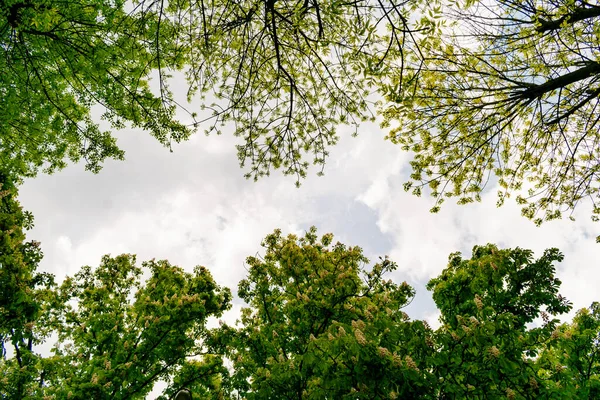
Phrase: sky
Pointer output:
(194, 207)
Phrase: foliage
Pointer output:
(22, 289)
(320, 326)
(116, 334)
(485, 348)
(318, 323)
(18, 261)
(60, 60)
(571, 359)
(285, 73)
(289, 72)
(510, 91)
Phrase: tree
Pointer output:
(22, 291)
(485, 349)
(572, 358)
(319, 325)
(18, 261)
(314, 329)
(509, 92)
(289, 72)
(118, 336)
(116, 333)
(286, 73)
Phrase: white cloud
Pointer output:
(433, 319)
(423, 241)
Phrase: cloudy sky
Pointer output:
(193, 207)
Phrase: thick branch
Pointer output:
(536, 91)
(579, 14)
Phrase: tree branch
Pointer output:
(578, 14)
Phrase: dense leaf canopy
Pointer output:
(320, 326)
(118, 328)
(572, 358)
(486, 349)
(498, 91)
(508, 90)
(290, 72)
(318, 323)
(60, 59)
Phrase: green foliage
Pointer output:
(507, 281)
(18, 261)
(22, 290)
(485, 348)
(116, 334)
(60, 60)
(288, 73)
(571, 358)
(320, 326)
(120, 336)
(285, 73)
(318, 323)
(509, 90)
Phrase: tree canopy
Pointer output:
(571, 359)
(117, 328)
(318, 322)
(508, 93)
(486, 349)
(60, 60)
(319, 325)
(22, 291)
(119, 335)
(284, 73)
